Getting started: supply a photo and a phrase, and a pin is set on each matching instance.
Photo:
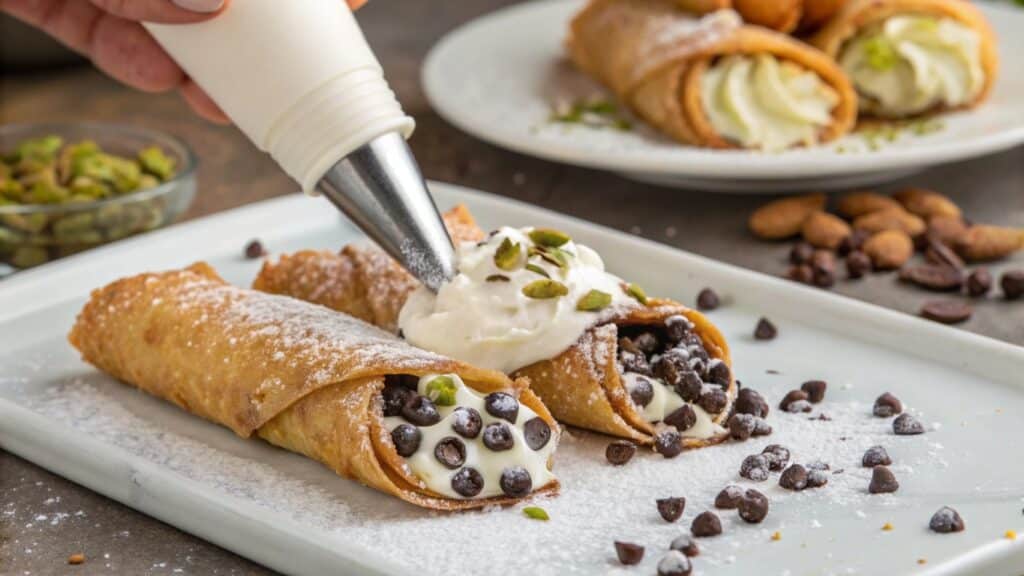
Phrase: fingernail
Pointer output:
(200, 5)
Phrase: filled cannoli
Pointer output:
(912, 57)
(712, 81)
(430, 430)
(531, 302)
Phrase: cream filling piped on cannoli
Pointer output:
(664, 400)
(521, 296)
(761, 102)
(464, 445)
(909, 64)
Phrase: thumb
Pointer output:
(162, 11)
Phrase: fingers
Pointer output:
(164, 11)
(202, 104)
(126, 52)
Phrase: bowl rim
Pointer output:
(187, 171)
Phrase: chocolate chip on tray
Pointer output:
(979, 283)
(537, 433)
(755, 467)
(818, 465)
(629, 553)
(706, 524)
(795, 401)
(394, 398)
(857, 264)
(753, 507)
(713, 400)
(254, 249)
(803, 274)
(502, 405)
(683, 418)
(816, 478)
(498, 436)
(668, 443)
(761, 427)
(765, 330)
(882, 481)
(887, 405)
(466, 422)
(937, 252)
(671, 509)
(619, 452)
(741, 426)
(815, 390)
(936, 277)
(946, 520)
(1012, 283)
(729, 498)
(406, 439)
(875, 456)
(421, 411)
(801, 253)
(641, 392)
(853, 242)
(777, 455)
(467, 482)
(708, 300)
(947, 311)
(516, 482)
(750, 401)
(794, 478)
(686, 544)
(450, 452)
(674, 563)
(823, 267)
(907, 425)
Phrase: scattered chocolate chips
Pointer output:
(629, 553)
(803, 274)
(815, 390)
(741, 426)
(729, 498)
(467, 482)
(708, 300)
(683, 418)
(641, 392)
(857, 264)
(706, 524)
(882, 481)
(619, 452)
(1012, 283)
(801, 253)
(935, 277)
(875, 456)
(450, 452)
(794, 478)
(686, 544)
(254, 249)
(750, 401)
(668, 443)
(947, 311)
(713, 400)
(394, 398)
(765, 330)
(753, 507)
(946, 520)
(795, 401)
(671, 508)
(979, 283)
(502, 405)
(498, 436)
(755, 467)
(816, 478)
(906, 425)
(887, 405)
(823, 268)
(406, 439)
(537, 433)
(516, 482)
(421, 411)
(674, 563)
(761, 428)
(853, 242)
(777, 455)
(467, 422)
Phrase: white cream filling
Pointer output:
(666, 400)
(487, 462)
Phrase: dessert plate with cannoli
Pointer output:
(574, 400)
(737, 95)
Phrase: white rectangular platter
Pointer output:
(292, 514)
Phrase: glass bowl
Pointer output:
(33, 234)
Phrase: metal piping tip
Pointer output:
(379, 187)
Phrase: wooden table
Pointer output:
(35, 535)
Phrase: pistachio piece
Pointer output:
(29, 256)
(155, 162)
(549, 237)
(497, 278)
(42, 149)
(538, 270)
(545, 289)
(635, 291)
(506, 257)
(593, 301)
(536, 512)
(442, 391)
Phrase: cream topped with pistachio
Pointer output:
(766, 103)
(912, 63)
(464, 445)
(522, 296)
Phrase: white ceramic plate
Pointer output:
(294, 515)
(499, 77)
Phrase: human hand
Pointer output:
(110, 34)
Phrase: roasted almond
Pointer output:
(785, 217)
(892, 219)
(889, 249)
(823, 230)
(927, 203)
(946, 229)
(982, 243)
(857, 204)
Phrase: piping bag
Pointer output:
(299, 79)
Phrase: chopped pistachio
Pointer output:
(29, 256)
(548, 237)
(156, 162)
(31, 223)
(636, 292)
(554, 256)
(46, 193)
(147, 181)
(442, 390)
(538, 270)
(498, 278)
(593, 301)
(536, 513)
(73, 224)
(506, 257)
(42, 149)
(881, 54)
(545, 289)
(70, 155)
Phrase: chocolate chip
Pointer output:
(629, 553)
(795, 401)
(936, 252)
(421, 411)
(537, 433)
(777, 455)
(689, 387)
(824, 278)
(875, 456)
(935, 277)
(741, 426)
(254, 249)
(713, 400)
(823, 266)
(979, 283)
(634, 360)
(619, 452)
(466, 422)
(706, 524)
(857, 264)
(803, 274)
(718, 373)
(818, 465)
(683, 418)
(516, 482)
(853, 242)
(467, 482)
(498, 436)
(816, 478)
(815, 390)
(394, 398)
(906, 425)
(641, 391)
(946, 520)
(755, 467)
(686, 544)
(646, 342)
(707, 300)
(887, 405)
(677, 327)
(801, 253)
(668, 443)
(1012, 283)
(765, 330)
(406, 439)
(502, 405)
(947, 311)
(671, 508)
(674, 563)
(450, 452)
(753, 507)
(882, 481)
(671, 366)
(750, 401)
(794, 478)
(761, 427)
(729, 498)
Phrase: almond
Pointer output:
(889, 249)
(823, 230)
(892, 219)
(927, 203)
(946, 229)
(784, 218)
(857, 204)
(981, 242)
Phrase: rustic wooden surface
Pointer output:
(36, 539)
